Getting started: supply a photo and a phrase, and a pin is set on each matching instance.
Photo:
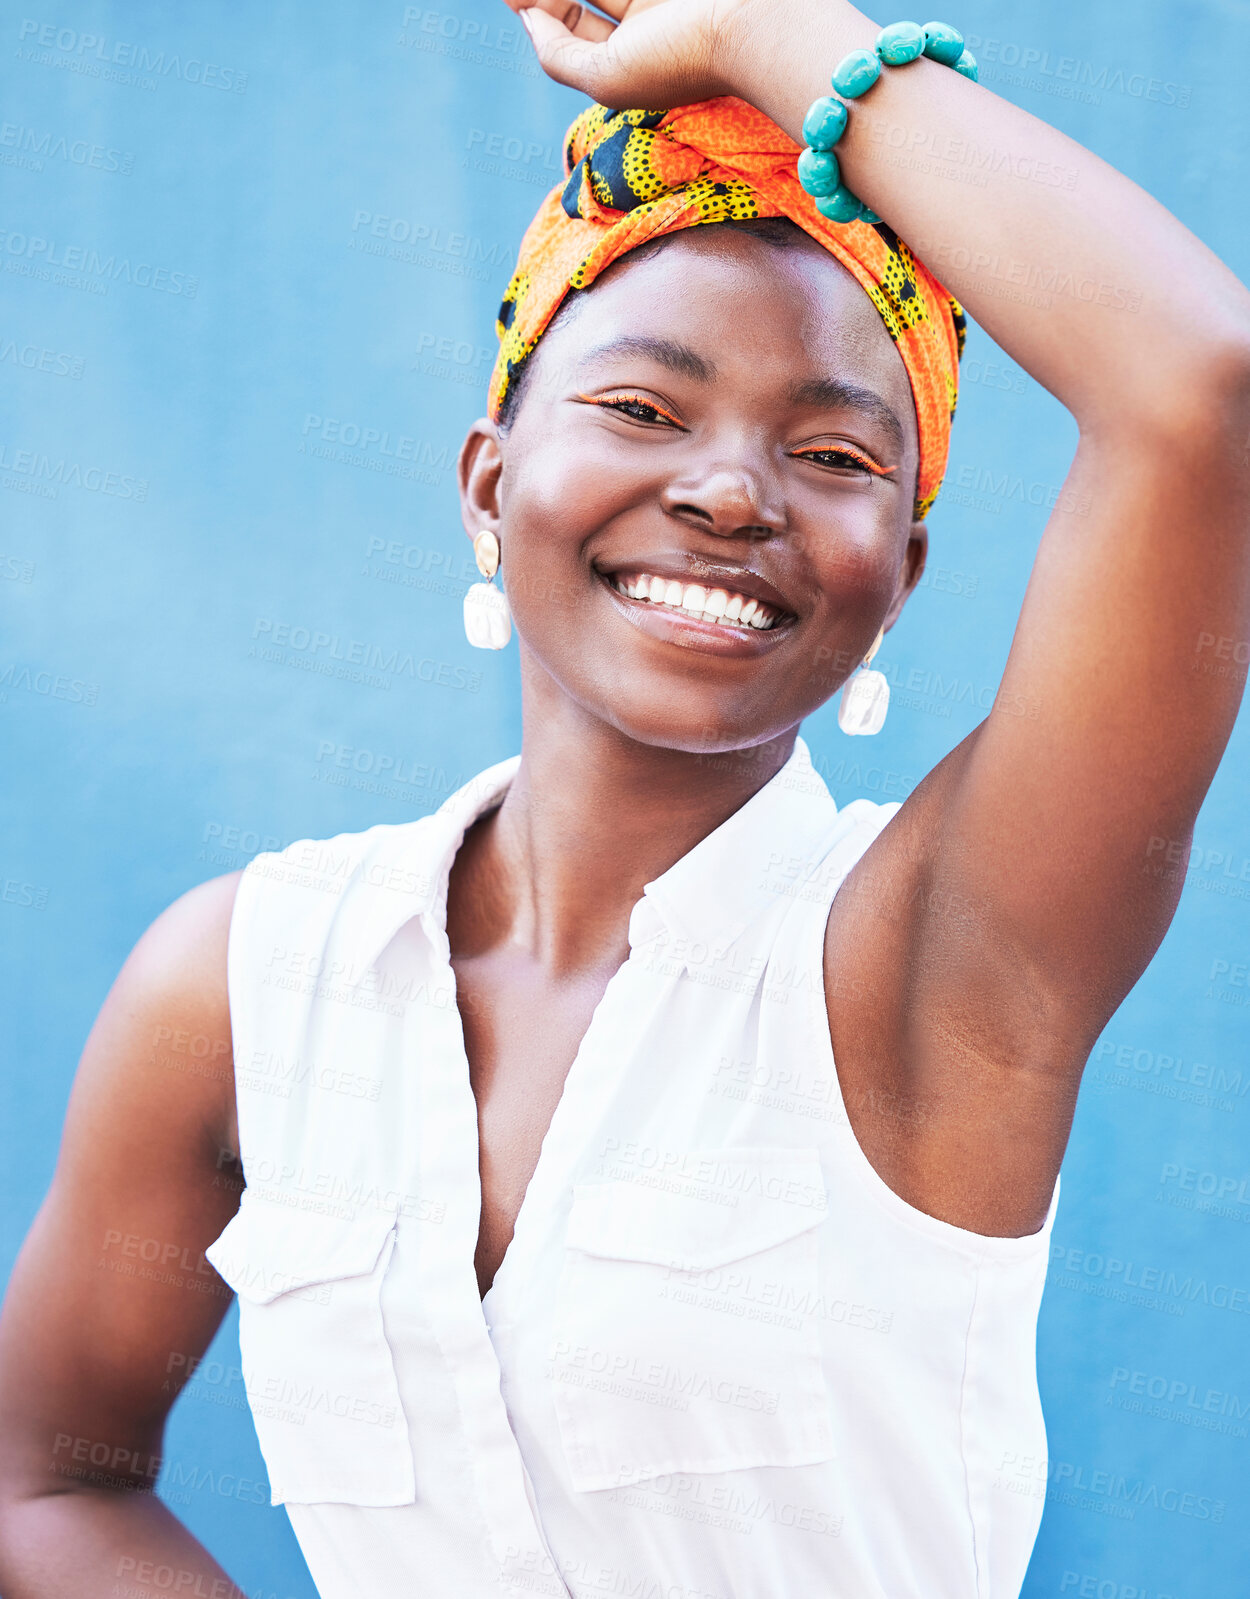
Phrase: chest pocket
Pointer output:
(317, 1365)
(685, 1336)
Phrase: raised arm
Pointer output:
(112, 1303)
(1141, 592)
(1048, 843)
(1119, 692)
(1037, 867)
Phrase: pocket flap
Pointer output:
(268, 1250)
(701, 1209)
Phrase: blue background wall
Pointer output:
(203, 485)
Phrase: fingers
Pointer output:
(580, 60)
(616, 9)
(647, 61)
(577, 21)
(564, 10)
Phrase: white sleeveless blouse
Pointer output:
(721, 1359)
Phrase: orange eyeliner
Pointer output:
(609, 400)
(861, 460)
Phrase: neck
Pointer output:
(590, 818)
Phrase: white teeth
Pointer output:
(712, 605)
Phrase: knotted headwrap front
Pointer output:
(634, 175)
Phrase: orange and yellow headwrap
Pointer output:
(634, 175)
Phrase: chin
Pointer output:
(691, 702)
(689, 730)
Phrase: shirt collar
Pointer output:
(407, 874)
(756, 859)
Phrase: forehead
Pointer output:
(765, 314)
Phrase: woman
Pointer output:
(749, 1324)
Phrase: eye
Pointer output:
(636, 406)
(844, 458)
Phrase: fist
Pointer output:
(653, 53)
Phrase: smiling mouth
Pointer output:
(723, 607)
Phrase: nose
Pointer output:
(730, 498)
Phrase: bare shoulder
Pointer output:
(161, 1044)
(190, 936)
(958, 1060)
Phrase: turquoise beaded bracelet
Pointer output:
(825, 122)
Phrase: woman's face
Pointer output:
(722, 416)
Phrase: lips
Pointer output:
(728, 607)
(697, 629)
(731, 598)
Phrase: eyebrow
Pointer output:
(829, 393)
(679, 358)
(834, 394)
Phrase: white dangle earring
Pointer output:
(487, 614)
(865, 696)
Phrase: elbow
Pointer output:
(1212, 380)
(1197, 399)
(1226, 362)
(1238, 357)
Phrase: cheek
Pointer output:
(565, 489)
(548, 506)
(853, 576)
(557, 487)
(856, 571)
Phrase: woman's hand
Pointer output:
(654, 53)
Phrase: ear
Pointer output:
(910, 571)
(479, 471)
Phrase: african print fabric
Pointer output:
(635, 175)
